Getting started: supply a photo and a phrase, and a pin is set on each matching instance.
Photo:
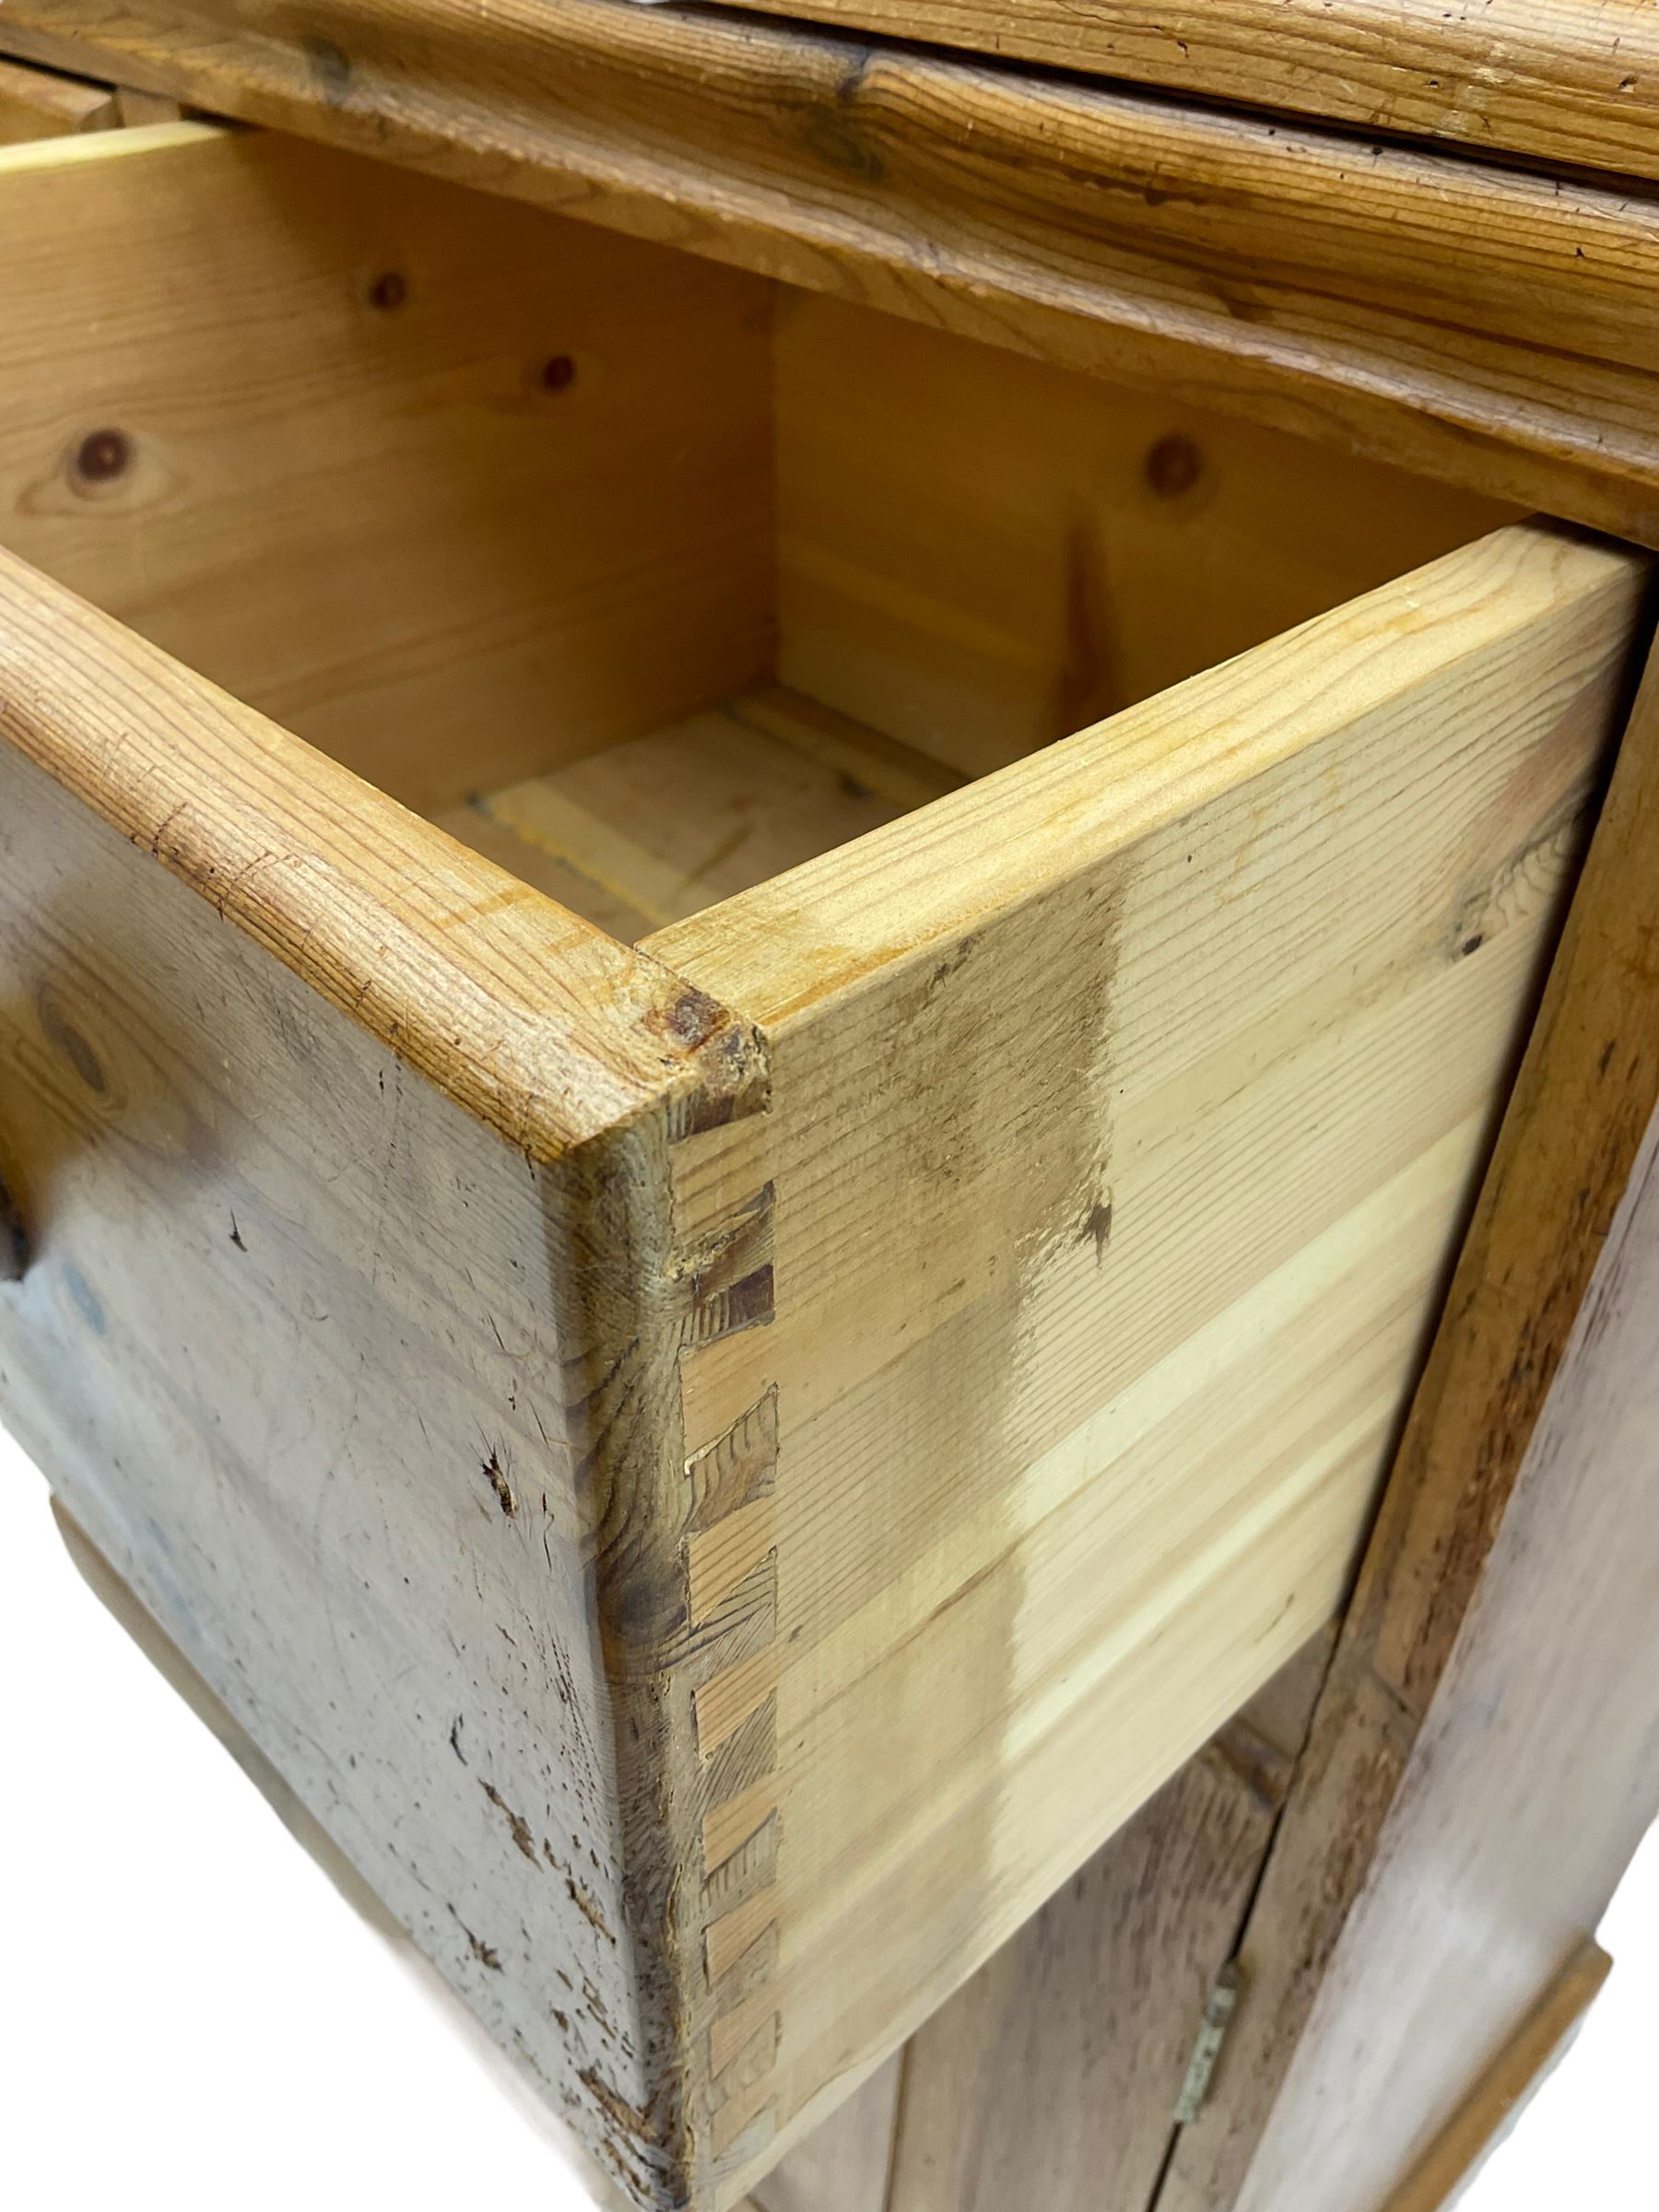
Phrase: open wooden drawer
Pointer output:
(723, 1432)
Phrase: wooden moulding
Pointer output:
(1497, 2100)
(1487, 325)
(1550, 79)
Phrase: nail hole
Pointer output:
(1173, 466)
(558, 374)
(104, 454)
(389, 290)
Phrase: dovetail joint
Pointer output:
(730, 1564)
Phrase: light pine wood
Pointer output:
(981, 553)
(1050, 2079)
(543, 1028)
(138, 110)
(342, 486)
(39, 104)
(650, 831)
(1089, 1341)
(1551, 78)
(1497, 1663)
(1470, 319)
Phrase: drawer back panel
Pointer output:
(449, 486)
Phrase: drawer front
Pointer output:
(324, 1234)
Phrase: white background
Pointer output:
(193, 2016)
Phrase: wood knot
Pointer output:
(1173, 466)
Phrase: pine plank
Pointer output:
(314, 457)
(1090, 1339)
(1050, 2077)
(39, 104)
(1549, 78)
(1467, 319)
(655, 830)
(981, 553)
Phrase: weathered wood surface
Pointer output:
(1499, 1645)
(542, 1027)
(1487, 325)
(1050, 2078)
(1091, 1341)
(1552, 78)
(348, 1325)
(1501, 2095)
(317, 453)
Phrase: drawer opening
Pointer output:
(643, 576)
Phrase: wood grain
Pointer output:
(316, 456)
(1549, 78)
(1474, 322)
(535, 1022)
(980, 554)
(39, 104)
(1089, 1341)
(350, 1319)
(650, 831)
(1497, 1629)
(1049, 2079)
(301, 1347)
(170, 1663)
(844, 2164)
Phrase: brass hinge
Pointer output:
(1212, 2030)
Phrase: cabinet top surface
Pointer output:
(1560, 81)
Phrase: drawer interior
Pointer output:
(643, 576)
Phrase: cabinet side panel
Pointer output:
(1534, 1780)
(1497, 1633)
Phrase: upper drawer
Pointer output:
(724, 1431)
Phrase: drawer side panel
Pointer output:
(1127, 1106)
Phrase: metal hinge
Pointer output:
(1212, 2032)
